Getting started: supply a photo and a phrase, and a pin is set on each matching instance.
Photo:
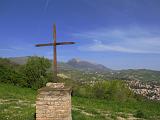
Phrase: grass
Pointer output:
(142, 109)
(18, 103)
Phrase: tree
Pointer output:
(35, 71)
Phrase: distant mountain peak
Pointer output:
(75, 60)
(86, 65)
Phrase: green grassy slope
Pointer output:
(19, 104)
(16, 103)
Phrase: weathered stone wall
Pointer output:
(54, 103)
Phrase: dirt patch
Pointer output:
(107, 114)
(82, 111)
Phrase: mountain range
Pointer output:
(86, 66)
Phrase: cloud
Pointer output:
(128, 40)
(46, 4)
(16, 49)
(5, 50)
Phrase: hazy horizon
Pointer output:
(93, 62)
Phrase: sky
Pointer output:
(120, 34)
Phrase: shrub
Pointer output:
(8, 71)
(139, 114)
(111, 90)
(99, 90)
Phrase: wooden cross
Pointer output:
(54, 44)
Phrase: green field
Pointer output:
(18, 103)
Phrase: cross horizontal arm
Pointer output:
(48, 44)
(65, 43)
(52, 44)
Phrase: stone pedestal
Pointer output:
(54, 102)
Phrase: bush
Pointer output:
(8, 71)
(99, 90)
(111, 90)
(114, 90)
(83, 91)
(139, 114)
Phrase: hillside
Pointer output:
(139, 74)
(18, 103)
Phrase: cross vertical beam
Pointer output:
(54, 54)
